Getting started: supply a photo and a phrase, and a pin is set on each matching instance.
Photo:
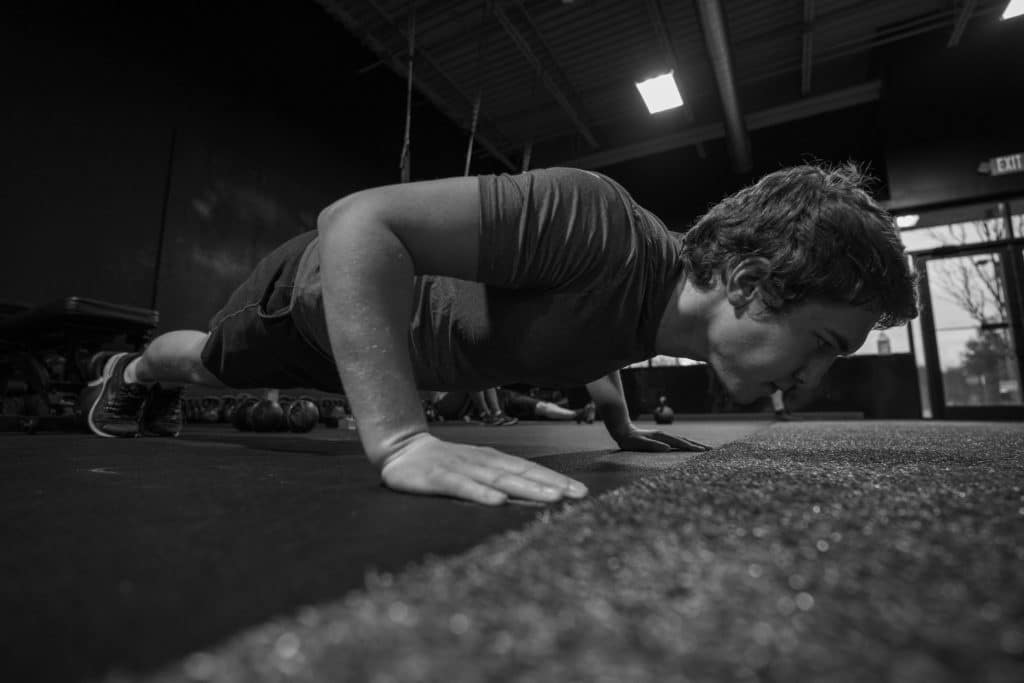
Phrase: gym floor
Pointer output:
(149, 557)
(129, 553)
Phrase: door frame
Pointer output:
(1012, 253)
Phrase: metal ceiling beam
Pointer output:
(517, 24)
(716, 38)
(811, 106)
(961, 22)
(792, 64)
(338, 10)
(836, 19)
(807, 56)
(834, 51)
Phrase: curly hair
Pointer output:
(824, 236)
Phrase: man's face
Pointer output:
(754, 352)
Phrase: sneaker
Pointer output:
(490, 420)
(162, 414)
(113, 406)
(506, 420)
(586, 414)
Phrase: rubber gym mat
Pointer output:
(130, 554)
(876, 551)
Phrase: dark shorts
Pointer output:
(254, 342)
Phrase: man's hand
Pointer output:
(650, 440)
(611, 402)
(483, 475)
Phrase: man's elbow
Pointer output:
(333, 215)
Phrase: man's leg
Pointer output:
(556, 412)
(142, 392)
(491, 397)
(480, 404)
(551, 411)
(253, 342)
(173, 359)
(494, 404)
(779, 405)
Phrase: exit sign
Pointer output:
(1011, 163)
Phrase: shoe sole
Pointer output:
(102, 381)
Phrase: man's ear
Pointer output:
(744, 282)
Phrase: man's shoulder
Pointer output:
(557, 175)
(578, 175)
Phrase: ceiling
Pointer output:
(556, 77)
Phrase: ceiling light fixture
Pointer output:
(1014, 8)
(660, 93)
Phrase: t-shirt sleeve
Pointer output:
(554, 229)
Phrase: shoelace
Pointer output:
(127, 399)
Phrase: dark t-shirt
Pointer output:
(573, 278)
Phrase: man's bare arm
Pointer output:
(367, 288)
(611, 403)
(371, 245)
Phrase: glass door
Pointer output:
(972, 333)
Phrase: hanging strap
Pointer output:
(528, 149)
(404, 163)
(484, 8)
(472, 133)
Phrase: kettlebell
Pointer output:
(227, 408)
(302, 415)
(240, 418)
(331, 413)
(236, 405)
(195, 410)
(663, 414)
(267, 416)
(210, 411)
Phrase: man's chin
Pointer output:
(747, 397)
(740, 392)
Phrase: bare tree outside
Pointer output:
(972, 319)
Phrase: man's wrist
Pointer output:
(618, 427)
(384, 452)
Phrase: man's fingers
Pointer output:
(481, 475)
(515, 485)
(534, 472)
(643, 443)
(463, 486)
(679, 442)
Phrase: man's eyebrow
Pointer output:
(841, 343)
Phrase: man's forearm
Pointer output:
(367, 278)
(611, 402)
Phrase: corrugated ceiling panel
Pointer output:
(600, 47)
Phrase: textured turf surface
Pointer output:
(812, 552)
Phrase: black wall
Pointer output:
(948, 109)
(877, 386)
(151, 154)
